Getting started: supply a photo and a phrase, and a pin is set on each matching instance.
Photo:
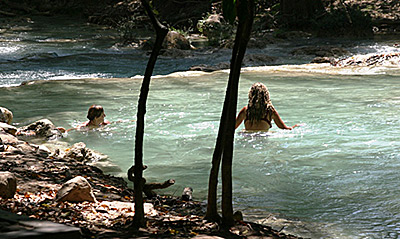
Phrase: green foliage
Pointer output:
(339, 22)
(275, 9)
(180, 31)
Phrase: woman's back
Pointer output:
(259, 112)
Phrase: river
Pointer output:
(336, 176)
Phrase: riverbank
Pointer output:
(41, 173)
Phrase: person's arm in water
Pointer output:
(85, 124)
(240, 117)
(279, 122)
(106, 122)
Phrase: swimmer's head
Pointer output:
(259, 95)
(95, 111)
(259, 105)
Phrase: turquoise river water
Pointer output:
(336, 176)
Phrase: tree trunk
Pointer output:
(161, 32)
(245, 10)
(212, 212)
(224, 144)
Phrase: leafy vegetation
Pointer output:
(341, 21)
(216, 32)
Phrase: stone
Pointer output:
(8, 128)
(26, 148)
(41, 128)
(77, 189)
(388, 59)
(8, 184)
(258, 59)
(175, 40)
(24, 227)
(187, 194)
(210, 68)
(214, 19)
(8, 139)
(6, 116)
(79, 152)
(321, 51)
(319, 59)
(217, 30)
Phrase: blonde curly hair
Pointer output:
(259, 106)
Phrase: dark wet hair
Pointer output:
(259, 106)
(94, 111)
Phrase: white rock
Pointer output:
(77, 189)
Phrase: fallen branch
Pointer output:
(149, 187)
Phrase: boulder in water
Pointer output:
(79, 152)
(41, 128)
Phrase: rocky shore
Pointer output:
(60, 186)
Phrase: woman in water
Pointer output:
(260, 112)
(96, 117)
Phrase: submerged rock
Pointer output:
(41, 128)
(80, 152)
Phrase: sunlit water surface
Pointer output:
(336, 176)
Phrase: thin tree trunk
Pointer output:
(161, 32)
(245, 16)
(227, 125)
(212, 212)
